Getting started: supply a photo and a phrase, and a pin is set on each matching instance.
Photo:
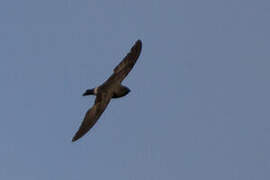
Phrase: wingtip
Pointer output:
(139, 41)
(78, 135)
(75, 138)
(137, 46)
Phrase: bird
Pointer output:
(111, 88)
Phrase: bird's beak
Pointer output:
(88, 92)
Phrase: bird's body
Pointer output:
(111, 88)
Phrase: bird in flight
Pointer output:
(111, 88)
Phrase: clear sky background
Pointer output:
(199, 106)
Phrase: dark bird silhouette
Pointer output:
(111, 88)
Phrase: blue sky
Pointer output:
(199, 101)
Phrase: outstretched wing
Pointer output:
(125, 66)
(92, 115)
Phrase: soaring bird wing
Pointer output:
(125, 66)
(92, 115)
